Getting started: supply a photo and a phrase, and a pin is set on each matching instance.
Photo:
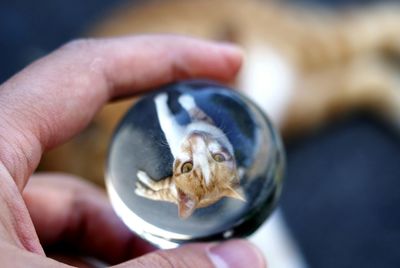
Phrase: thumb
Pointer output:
(234, 253)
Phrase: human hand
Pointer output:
(53, 99)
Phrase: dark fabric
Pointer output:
(342, 193)
(30, 29)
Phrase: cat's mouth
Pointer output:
(186, 204)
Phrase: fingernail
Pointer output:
(236, 254)
(234, 55)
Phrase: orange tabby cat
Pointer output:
(204, 168)
(303, 67)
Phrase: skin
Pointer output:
(52, 100)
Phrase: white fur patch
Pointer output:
(268, 78)
(200, 158)
(205, 169)
(212, 130)
(187, 102)
(161, 100)
(174, 191)
(144, 178)
(173, 132)
(183, 156)
(214, 147)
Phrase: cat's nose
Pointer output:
(195, 137)
(199, 145)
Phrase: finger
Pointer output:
(235, 253)
(57, 96)
(69, 211)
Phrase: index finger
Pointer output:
(57, 96)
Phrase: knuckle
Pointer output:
(80, 44)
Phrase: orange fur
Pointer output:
(340, 61)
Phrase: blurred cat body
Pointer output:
(303, 67)
(204, 168)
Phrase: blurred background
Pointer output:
(341, 198)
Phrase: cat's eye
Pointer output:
(187, 167)
(218, 157)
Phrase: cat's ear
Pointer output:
(237, 193)
(186, 205)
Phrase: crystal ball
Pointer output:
(194, 161)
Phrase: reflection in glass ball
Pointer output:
(194, 161)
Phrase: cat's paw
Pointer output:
(161, 99)
(140, 190)
(187, 102)
(144, 178)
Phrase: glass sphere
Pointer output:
(194, 161)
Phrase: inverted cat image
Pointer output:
(204, 168)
